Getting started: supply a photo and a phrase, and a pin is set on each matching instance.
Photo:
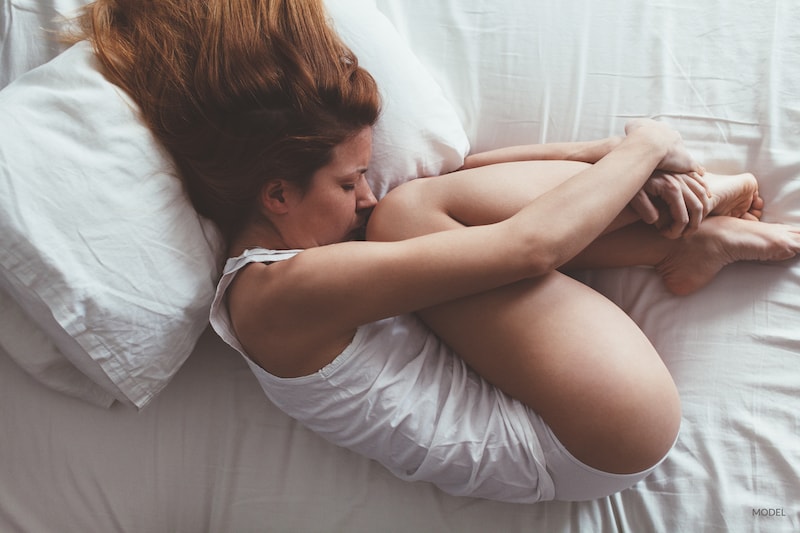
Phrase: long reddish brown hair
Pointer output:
(238, 91)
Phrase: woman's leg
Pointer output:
(551, 342)
(686, 265)
(558, 346)
(576, 359)
(484, 195)
(489, 194)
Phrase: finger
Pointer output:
(695, 207)
(695, 167)
(644, 207)
(700, 191)
(699, 178)
(673, 195)
(756, 210)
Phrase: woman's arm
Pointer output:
(313, 303)
(584, 151)
(685, 197)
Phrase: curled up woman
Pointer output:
(448, 345)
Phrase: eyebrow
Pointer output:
(359, 170)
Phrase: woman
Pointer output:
(268, 117)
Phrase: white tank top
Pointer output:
(400, 396)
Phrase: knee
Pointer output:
(631, 431)
(648, 430)
(400, 214)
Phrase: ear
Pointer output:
(273, 197)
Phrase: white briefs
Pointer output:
(400, 396)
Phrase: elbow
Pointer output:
(548, 242)
(546, 252)
(541, 266)
(529, 249)
(542, 259)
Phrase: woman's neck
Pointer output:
(256, 236)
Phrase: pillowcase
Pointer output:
(419, 132)
(102, 253)
(100, 245)
(34, 351)
(28, 30)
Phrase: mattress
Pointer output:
(210, 453)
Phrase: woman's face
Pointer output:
(336, 205)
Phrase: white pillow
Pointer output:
(101, 248)
(419, 133)
(33, 350)
(28, 34)
(99, 241)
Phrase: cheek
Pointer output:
(344, 220)
(334, 217)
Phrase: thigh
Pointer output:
(473, 197)
(576, 359)
(556, 345)
(493, 193)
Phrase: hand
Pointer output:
(675, 203)
(677, 159)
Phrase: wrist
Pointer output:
(648, 140)
(594, 151)
(613, 141)
(609, 144)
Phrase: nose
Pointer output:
(365, 200)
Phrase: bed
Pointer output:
(123, 412)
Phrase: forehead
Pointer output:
(355, 150)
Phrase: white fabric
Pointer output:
(28, 34)
(34, 351)
(99, 241)
(209, 454)
(101, 251)
(398, 395)
(419, 133)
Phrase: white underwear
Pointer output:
(576, 481)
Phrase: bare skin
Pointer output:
(730, 195)
(719, 242)
(686, 264)
(735, 195)
(491, 290)
(507, 338)
(732, 233)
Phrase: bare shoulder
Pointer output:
(271, 325)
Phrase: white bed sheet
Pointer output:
(211, 454)
(725, 74)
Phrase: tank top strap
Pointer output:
(257, 255)
(218, 316)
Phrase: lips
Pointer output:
(358, 234)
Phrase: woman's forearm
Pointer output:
(584, 151)
(563, 221)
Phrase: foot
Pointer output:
(720, 241)
(734, 195)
